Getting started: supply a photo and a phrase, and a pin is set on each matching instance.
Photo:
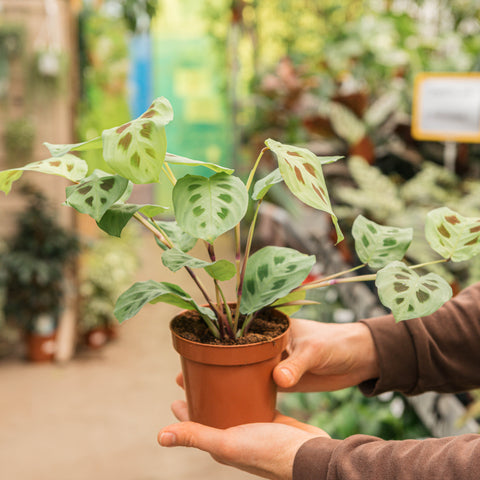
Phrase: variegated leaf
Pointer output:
(68, 166)
(272, 273)
(302, 172)
(409, 295)
(207, 207)
(118, 215)
(451, 235)
(180, 239)
(175, 259)
(96, 195)
(139, 294)
(58, 150)
(292, 297)
(137, 149)
(263, 185)
(378, 245)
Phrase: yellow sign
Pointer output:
(446, 107)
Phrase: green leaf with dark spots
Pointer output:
(175, 259)
(132, 300)
(409, 295)
(117, 216)
(377, 245)
(96, 194)
(208, 207)
(136, 150)
(302, 172)
(272, 273)
(180, 239)
(68, 166)
(452, 235)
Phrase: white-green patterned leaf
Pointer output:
(451, 235)
(177, 160)
(136, 150)
(409, 295)
(378, 245)
(263, 185)
(180, 239)
(346, 124)
(132, 300)
(96, 195)
(207, 207)
(58, 150)
(118, 215)
(302, 171)
(175, 259)
(272, 273)
(68, 166)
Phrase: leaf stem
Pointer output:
(254, 169)
(168, 172)
(153, 230)
(335, 281)
(426, 264)
(248, 247)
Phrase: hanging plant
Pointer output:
(11, 40)
(48, 69)
(19, 137)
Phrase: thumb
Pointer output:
(288, 372)
(189, 434)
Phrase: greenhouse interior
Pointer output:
(217, 175)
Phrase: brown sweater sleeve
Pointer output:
(440, 352)
(360, 457)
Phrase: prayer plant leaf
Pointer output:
(180, 239)
(302, 172)
(378, 245)
(291, 297)
(453, 236)
(263, 185)
(207, 207)
(175, 259)
(58, 150)
(409, 295)
(136, 150)
(117, 216)
(96, 194)
(68, 166)
(272, 273)
(177, 160)
(139, 294)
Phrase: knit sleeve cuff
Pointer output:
(396, 357)
(312, 459)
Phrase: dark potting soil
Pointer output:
(268, 325)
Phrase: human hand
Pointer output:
(326, 357)
(264, 449)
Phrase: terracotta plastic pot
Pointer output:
(228, 385)
(41, 348)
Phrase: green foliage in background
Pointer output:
(347, 412)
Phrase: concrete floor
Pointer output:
(97, 416)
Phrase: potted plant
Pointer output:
(32, 275)
(269, 282)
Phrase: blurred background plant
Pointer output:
(34, 262)
(107, 268)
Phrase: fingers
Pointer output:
(179, 380)
(288, 372)
(190, 434)
(292, 422)
(180, 410)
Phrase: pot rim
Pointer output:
(230, 354)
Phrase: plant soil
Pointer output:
(266, 326)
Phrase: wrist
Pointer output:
(365, 352)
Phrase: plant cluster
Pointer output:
(33, 263)
(206, 207)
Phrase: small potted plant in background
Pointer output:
(268, 282)
(106, 269)
(33, 274)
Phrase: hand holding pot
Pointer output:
(264, 449)
(326, 357)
